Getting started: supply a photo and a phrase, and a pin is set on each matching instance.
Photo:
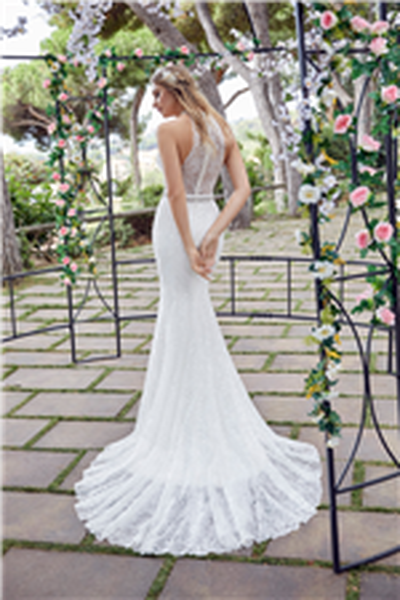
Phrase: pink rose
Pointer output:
(62, 143)
(240, 46)
(120, 66)
(98, 114)
(363, 239)
(66, 260)
(138, 52)
(359, 196)
(90, 129)
(342, 123)
(366, 169)
(80, 138)
(108, 53)
(328, 20)
(358, 24)
(62, 58)
(51, 128)
(184, 50)
(73, 231)
(64, 187)
(385, 315)
(383, 231)
(250, 55)
(390, 94)
(369, 144)
(67, 281)
(63, 231)
(366, 294)
(60, 203)
(66, 120)
(63, 97)
(76, 62)
(56, 176)
(379, 27)
(74, 267)
(46, 83)
(378, 46)
(102, 82)
(71, 212)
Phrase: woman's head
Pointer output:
(175, 90)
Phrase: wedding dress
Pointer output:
(202, 471)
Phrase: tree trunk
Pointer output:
(11, 258)
(171, 37)
(134, 135)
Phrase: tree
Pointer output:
(11, 255)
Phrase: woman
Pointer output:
(202, 472)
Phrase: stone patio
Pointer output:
(58, 416)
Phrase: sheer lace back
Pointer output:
(203, 165)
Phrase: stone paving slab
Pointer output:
(382, 586)
(126, 361)
(385, 494)
(382, 385)
(76, 474)
(11, 399)
(33, 469)
(252, 331)
(252, 362)
(123, 380)
(17, 432)
(70, 404)
(360, 536)
(293, 362)
(275, 408)
(219, 580)
(41, 518)
(83, 434)
(41, 378)
(37, 358)
(105, 344)
(40, 341)
(76, 575)
(273, 382)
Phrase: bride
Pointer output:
(202, 471)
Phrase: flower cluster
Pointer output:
(341, 30)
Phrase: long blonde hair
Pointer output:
(179, 81)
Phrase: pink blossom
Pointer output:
(66, 260)
(359, 196)
(56, 176)
(74, 267)
(240, 46)
(51, 128)
(363, 239)
(62, 58)
(63, 231)
(108, 53)
(250, 55)
(184, 50)
(66, 120)
(64, 187)
(366, 294)
(71, 212)
(138, 52)
(378, 46)
(60, 203)
(390, 94)
(367, 169)
(383, 231)
(358, 24)
(67, 281)
(369, 144)
(342, 123)
(80, 138)
(73, 231)
(62, 143)
(90, 129)
(76, 62)
(328, 20)
(63, 97)
(385, 315)
(98, 114)
(379, 27)
(102, 82)
(46, 83)
(120, 66)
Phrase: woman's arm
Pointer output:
(237, 200)
(168, 147)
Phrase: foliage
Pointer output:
(363, 169)
(151, 195)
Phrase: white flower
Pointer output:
(332, 442)
(317, 418)
(329, 181)
(309, 194)
(322, 269)
(324, 332)
(327, 208)
(303, 168)
(328, 96)
(332, 371)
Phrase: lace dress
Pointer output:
(202, 471)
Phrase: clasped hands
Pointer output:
(202, 259)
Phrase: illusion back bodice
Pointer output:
(204, 162)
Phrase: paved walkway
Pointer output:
(59, 415)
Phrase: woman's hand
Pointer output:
(208, 248)
(198, 264)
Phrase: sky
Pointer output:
(38, 29)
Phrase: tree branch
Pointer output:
(235, 95)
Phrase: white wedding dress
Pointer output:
(202, 472)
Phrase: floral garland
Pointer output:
(341, 30)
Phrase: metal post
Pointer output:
(232, 282)
(71, 323)
(12, 307)
(333, 510)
